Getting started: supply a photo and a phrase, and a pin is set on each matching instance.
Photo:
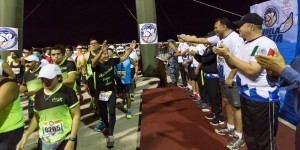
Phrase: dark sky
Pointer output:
(48, 22)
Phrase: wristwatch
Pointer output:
(72, 139)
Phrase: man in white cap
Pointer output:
(30, 82)
(56, 130)
(124, 79)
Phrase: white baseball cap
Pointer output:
(111, 47)
(120, 49)
(49, 71)
(32, 57)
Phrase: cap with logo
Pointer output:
(49, 71)
(32, 57)
(120, 49)
(250, 18)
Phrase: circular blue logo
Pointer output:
(148, 33)
(8, 38)
(270, 17)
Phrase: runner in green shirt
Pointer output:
(11, 115)
(57, 113)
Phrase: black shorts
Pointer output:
(123, 88)
(9, 140)
(191, 73)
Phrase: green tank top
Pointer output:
(11, 117)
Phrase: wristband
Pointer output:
(72, 139)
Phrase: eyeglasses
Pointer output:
(26, 61)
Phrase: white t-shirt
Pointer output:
(256, 87)
(200, 48)
(193, 48)
(233, 41)
(133, 55)
(181, 48)
(213, 39)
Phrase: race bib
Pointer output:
(104, 96)
(16, 70)
(52, 128)
(121, 74)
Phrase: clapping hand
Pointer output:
(273, 64)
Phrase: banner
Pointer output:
(148, 33)
(281, 25)
(8, 38)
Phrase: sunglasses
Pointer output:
(26, 61)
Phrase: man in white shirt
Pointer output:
(182, 48)
(230, 94)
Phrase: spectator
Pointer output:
(284, 75)
(259, 101)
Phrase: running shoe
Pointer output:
(236, 143)
(99, 127)
(128, 114)
(217, 121)
(210, 116)
(110, 142)
(225, 131)
(132, 96)
(204, 107)
(182, 86)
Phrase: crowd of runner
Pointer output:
(223, 66)
(53, 79)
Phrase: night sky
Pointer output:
(49, 22)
